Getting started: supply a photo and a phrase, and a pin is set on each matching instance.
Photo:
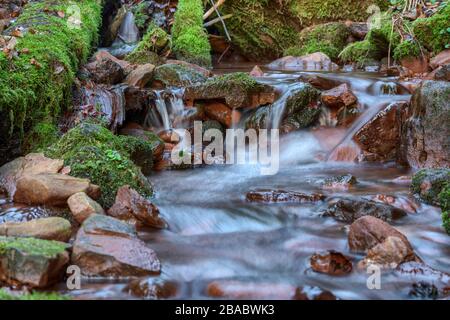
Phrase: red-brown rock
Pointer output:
(440, 59)
(130, 206)
(140, 76)
(332, 263)
(107, 69)
(339, 97)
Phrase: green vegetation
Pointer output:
(263, 30)
(95, 153)
(236, 80)
(190, 40)
(154, 42)
(32, 246)
(36, 85)
(41, 136)
(444, 200)
(330, 38)
(359, 52)
(435, 180)
(4, 295)
(177, 75)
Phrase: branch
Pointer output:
(212, 9)
(218, 19)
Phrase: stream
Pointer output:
(215, 234)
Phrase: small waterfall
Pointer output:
(128, 32)
(169, 110)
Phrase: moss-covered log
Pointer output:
(190, 40)
(264, 29)
(53, 38)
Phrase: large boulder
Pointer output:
(51, 189)
(140, 76)
(82, 206)
(130, 206)
(349, 210)
(32, 262)
(53, 228)
(176, 75)
(31, 164)
(311, 62)
(108, 247)
(425, 133)
(368, 232)
(239, 90)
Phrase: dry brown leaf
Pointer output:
(61, 14)
(17, 33)
(34, 62)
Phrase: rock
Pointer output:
(33, 163)
(222, 113)
(339, 97)
(320, 82)
(239, 90)
(140, 76)
(367, 232)
(4, 14)
(349, 210)
(300, 111)
(136, 99)
(427, 184)
(82, 207)
(415, 64)
(332, 263)
(205, 72)
(428, 282)
(249, 290)
(443, 73)
(33, 262)
(425, 132)
(311, 62)
(51, 189)
(150, 288)
(389, 254)
(358, 30)
(53, 228)
(440, 59)
(130, 206)
(342, 182)
(107, 247)
(402, 203)
(158, 144)
(256, 72)
(178, 75)
(381, 135)
(275, 196)
(107, 69)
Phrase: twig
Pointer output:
(218, 19)
(212, 9)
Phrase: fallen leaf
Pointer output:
(35, 63)
(61, 14)
(17, 33)
(25, 51)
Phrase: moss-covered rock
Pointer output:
(444, 200)
(34, 262)
(154, 43)
(35, 295)
(177, 75)
(35, 85)
(95, 153)
(190, 40)
(329, 38)
(429, 183)
(262, 30)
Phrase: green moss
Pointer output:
(95, 153)
(190, 40)
(435, 180)
(154, 42)
(406, 49)
(330, 38)
(433, 33)
(36, 84)
(140, 13)
(359, 52)
(32, 296)
(444, 200)
(235, 80)
(41, 136)
(263, 30)
(32, 246)
(177, 75)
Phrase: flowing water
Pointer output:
(215, 234)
